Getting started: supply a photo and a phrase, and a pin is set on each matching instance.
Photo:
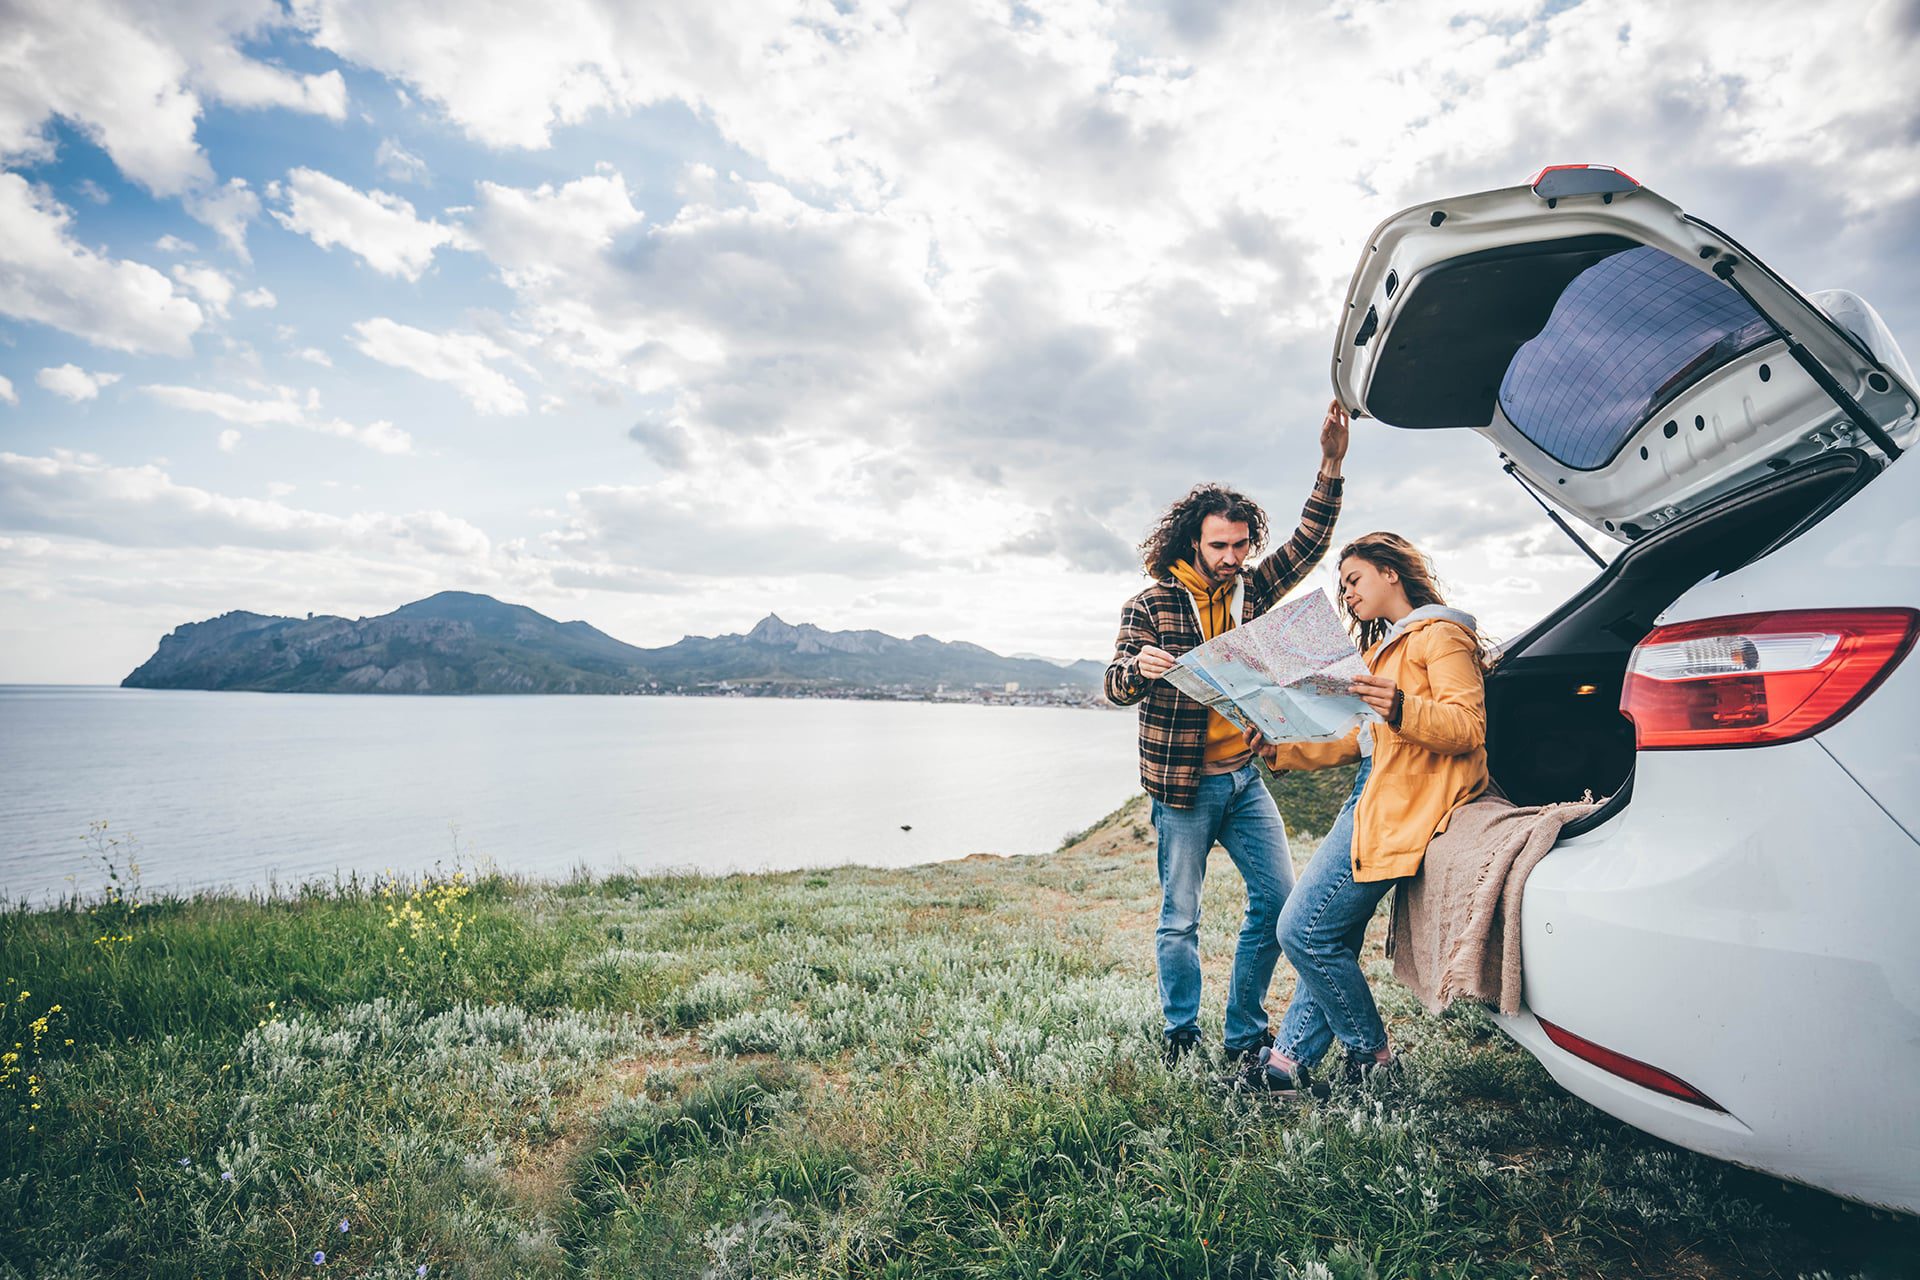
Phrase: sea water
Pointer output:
(255, 791)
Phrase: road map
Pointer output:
(1285, 674)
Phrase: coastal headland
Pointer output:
(459, 642)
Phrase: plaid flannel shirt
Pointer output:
(1173, 727)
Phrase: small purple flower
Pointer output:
(343, 1226)
(319, 1257)
(420, 1270)
(226, 1175)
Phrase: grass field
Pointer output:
(947, 1070)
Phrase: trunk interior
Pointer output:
(1554, 728)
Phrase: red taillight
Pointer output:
(1642, 1074)
(1759, 678)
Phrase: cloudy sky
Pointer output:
(896, 316)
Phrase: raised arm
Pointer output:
(1293, 560)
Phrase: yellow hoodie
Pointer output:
(1214, 605)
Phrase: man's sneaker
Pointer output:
(1176, 1045)
(1238, 1057)
(1257, 1077)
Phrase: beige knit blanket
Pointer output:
(1456, 925)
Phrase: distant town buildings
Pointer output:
(1009, 694)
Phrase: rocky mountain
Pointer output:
(454, 642)
(780, 652)
(459, 642)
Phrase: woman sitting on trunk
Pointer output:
(1426, 758)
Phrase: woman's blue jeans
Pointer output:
(1322, 930)
(1235, 810)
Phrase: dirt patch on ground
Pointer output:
(681, 1053)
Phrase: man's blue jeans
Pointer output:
(1322, 930)
(1235, 810)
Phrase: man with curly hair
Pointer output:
(1194, 763)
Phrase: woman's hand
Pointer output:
(1154, 662)
(1376, 691)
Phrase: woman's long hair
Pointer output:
(1175, 533)
(1391, 552)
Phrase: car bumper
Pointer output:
(1745, 924)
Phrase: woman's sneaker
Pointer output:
(1258, 1077)
(1238, 1058)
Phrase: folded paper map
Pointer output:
(1285, 674)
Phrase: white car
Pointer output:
(1726, 954)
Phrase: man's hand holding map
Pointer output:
(1284, 675)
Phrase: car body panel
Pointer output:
(1744, 924)
(1744, 921)
(1866, 554)
(1754, 905)
(1739, 417)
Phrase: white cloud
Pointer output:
(539, 235)
(683, 531)
(125, 86)
(240, 81)
(460, 359)
(381, 228)
(764, 313)
(507, 90)
(314, 355)
(229, 440)
(130, 77)
(74, 383)
(48, 277)
(380, 435)
(227, 210)
(212, 287)
(286, 407)
(398, 163)
(7, 393)
(1079, 539)
(174, 244)
(258, 299)
(80, 496)
(1070, 257)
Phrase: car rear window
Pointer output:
(1628, 334)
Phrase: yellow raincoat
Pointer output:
(1434, 763)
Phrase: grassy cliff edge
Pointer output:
(947, 1070)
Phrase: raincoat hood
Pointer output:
(1430, 613)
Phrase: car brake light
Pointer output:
(1754, 679)
(1619, 1064)
(1559, 180)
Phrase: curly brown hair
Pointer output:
(1176, 534)
(1390, 551)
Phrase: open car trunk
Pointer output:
(1641, 371)
(1554, 728)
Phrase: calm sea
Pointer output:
(249, 790)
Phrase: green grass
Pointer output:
(948, 1070)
